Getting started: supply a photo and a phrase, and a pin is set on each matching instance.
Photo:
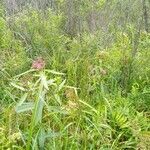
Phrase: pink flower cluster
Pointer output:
(38, 64)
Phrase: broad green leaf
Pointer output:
(24, 107)
(41, 138)
(35, 141)
(39, 108)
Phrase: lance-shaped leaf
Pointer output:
(44, 81)
(55, 72)
(42, 138)
(18, 86)
(24, 107)
(23, 98)
(39, 108)
(61, 85)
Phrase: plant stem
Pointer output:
(33, 123)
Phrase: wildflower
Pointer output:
(38, 64)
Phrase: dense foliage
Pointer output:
(65, 88)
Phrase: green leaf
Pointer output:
(24, 107)
(57, 97)
(56, 109)
(61, 85)
(39, 108)
(51, 82)
(23, 98)
(31, 70)
(41, 138)
(86, 104)
(44, 81)
(55, 72)
(52, 134)
(17, 86)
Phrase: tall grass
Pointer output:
(88, 96)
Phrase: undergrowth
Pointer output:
(87, 96)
